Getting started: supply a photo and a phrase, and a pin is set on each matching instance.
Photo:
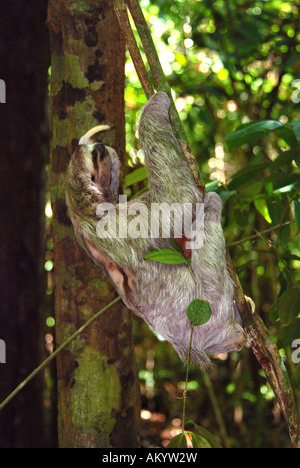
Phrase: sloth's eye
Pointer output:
(93, 178)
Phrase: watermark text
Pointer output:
(296, 353)
(159, 221)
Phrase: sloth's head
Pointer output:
(94, 166)
(93, 174)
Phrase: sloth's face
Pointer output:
(98, 163)
(96, 166)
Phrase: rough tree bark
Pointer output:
(97, 380)
(23, 67)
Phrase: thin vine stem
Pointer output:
(258, 234)
(189, 352)
(55, 353)
(206, 379)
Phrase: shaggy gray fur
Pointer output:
(157, 292)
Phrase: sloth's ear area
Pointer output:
(122, 278)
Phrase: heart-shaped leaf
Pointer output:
(198, 312)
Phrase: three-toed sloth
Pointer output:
(155, 291)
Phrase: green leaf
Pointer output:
(135, 176)
(198, 312)
(297, 213)
(251, 190)
(178, 441)
(212, 186)
(211, 439)
(260, 204)
(296, 128)
(175, 245)
(198, 441)
(245, 175)
(251, 132)
(166, 255)
(287, 134)
(283, 183)
(276, 209)
(284, 158)
(289, 305)
(226, 194)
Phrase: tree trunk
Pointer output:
(98, 396)
(23, 67)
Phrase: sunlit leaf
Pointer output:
(283, 183)
(135, 176)
(260, 204)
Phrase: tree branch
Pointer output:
(159, 78)
(121, 12)
(258, 234)
(264, 350)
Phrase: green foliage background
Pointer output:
(234, 68)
